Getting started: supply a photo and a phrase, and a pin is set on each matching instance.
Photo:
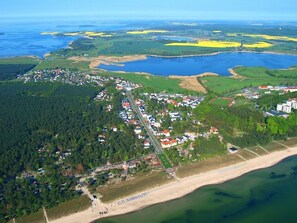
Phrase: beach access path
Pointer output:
(176, 189)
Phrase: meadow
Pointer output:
(262, 72)
(152, 83)
(222, 85)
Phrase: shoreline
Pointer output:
(177, 189)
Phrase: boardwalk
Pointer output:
(256, 154)
(45, 215)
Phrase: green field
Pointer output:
(261, 72)
(69, 207)
(121, 43)
(152, 83)
(219, 84)
(164, 161)
(222, 101)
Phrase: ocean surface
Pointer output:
(194, 65)
(23, 37)
(263, 196)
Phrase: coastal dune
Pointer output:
(176, 189)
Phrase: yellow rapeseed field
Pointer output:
(268, 37)
(258, 45)
(101, 34)
(222, 44)
(144, 32)
(208, 43)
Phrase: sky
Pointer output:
(177, 9)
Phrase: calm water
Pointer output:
(219, 63)
(257, 197)
(22, 38)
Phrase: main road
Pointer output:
(154, 141)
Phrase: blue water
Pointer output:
(23, 38)
(263, 196)
(193, 65)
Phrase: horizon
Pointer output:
(213, 10)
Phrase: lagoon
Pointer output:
(193, 65)
(267, 195)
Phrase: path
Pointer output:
(256, 154)
(241, 157)
(282, 144)
(45, 215)
(263, 148)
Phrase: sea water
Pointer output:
(263, 196)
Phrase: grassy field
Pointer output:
(37, 217)
(76, 205)
(140, 183)
(62, 63)
(153, 83)
(222, 101)
(221, 84)
(164, 161)
(261, 72)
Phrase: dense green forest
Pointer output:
(11, 71)
(54, 127)
(245, 125)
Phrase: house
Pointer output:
(233, 150)
(137, 130)
(168, 142)
(214, 130)
(277, 114)
(146, 144)
(166, 133)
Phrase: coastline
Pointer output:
(177, 189)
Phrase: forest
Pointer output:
(11, 71)
(245, 125)
(54, 128)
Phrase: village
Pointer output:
(168, 116)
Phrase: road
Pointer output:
(154, 141)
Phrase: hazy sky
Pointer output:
(188, 9)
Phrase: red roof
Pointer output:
(166, 131)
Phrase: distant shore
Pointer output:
(177, 189)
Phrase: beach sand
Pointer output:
(191, 82)
(108, 60)
(175, 189)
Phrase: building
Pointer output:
(166, 133)
(168, 142)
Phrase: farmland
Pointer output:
(222, 44)
(173, 40)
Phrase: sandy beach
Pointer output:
(175, 189)
(191, 82)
